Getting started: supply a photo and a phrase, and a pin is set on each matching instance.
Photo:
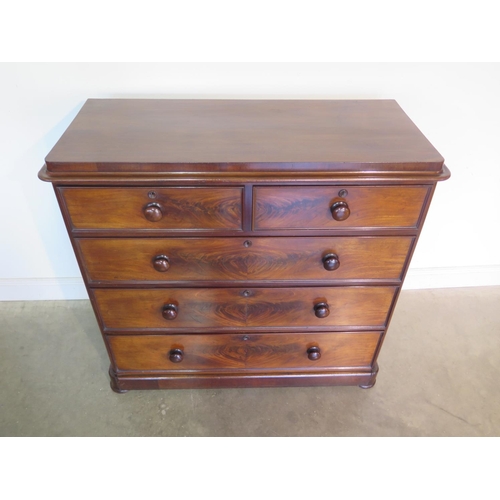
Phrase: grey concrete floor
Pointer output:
(439, 376)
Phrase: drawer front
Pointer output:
(243, 351)
(154, 208)
(283, 207)
(204, 259)
(201, 308)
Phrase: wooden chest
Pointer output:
(243, 243)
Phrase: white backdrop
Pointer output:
(456, 106)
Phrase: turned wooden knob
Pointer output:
(170, 311)
(321, 310)
(340, 210)
(153, 212)
(176, 355)
(331, 262)
(314, 353)
(161, 263)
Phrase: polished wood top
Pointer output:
(164, 135)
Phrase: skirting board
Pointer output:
(452, 277)
(73, 288)
(42, 289)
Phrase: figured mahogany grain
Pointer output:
(182, 208)
(243, 351)
(130, 260)
(153, 193)
(305, 207)
(219, 308)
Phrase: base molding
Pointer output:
(122, 383)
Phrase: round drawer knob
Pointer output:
(176, 355)
(314, 353)
(170, 311)
(161, 263)
(331, 262)
(153, 212)
(340, 210)
(321, 310)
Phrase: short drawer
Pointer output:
(169, 260)
(229, 308)
(154, 208)
(327, 207)
(305, 351)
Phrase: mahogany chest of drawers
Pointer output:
(243, 243)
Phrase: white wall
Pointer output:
(457, 106)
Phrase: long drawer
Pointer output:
(182, 208)
(279, 259)
(328, 207)
(229, 308)
(304, 351)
